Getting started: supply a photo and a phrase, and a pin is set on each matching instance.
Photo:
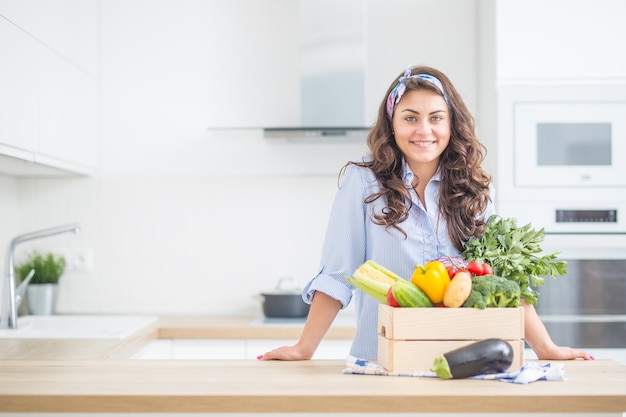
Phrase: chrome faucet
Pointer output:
(11, 296)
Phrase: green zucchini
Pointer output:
(408, 294)
(488, 356)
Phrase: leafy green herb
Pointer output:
(48, 267)
(515, 253)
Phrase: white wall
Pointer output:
(183, 245)
(181, 219)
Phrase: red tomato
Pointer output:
(487, 269)
(475, 268)
(452, 270)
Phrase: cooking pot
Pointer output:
(285, 300)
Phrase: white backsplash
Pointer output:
(180, 245)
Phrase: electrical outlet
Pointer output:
(77, 259)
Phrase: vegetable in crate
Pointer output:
(407, 294)
(478, 268)
(515, 253)
(432, 278)
(373, 279)
(488, 356)
(493, 291)
(453, 264)
(387, 287)
(459, 290)
(391, 300)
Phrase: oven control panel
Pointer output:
(586, 216)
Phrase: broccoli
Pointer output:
(493, 291)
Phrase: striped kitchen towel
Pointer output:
(530, 372)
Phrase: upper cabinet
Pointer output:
(19, 84)
(560, 41)
(48, 76)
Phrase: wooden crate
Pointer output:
(409, 339)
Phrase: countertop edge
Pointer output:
(204, 387)
(308, 404)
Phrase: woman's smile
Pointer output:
(423, 143)
(421, 125)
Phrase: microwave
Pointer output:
(562, 156)
(569, 144)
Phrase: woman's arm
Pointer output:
(541, 343)
(323, 311)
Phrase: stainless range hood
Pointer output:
(317, 134)
(332, 78)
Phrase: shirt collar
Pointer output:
(407, 174)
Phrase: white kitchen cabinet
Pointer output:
(69, 27)
(48, 105)
(19, 93)
(328, 349)
(156, 350)
(208, 349)
(190, 349)
(560, 40)
(67, 115)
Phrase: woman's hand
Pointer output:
(539, 340)
(287, 353)
(321, 315)
(555, 352)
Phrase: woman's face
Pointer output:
(421, 125)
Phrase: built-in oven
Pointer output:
(586, 308)
(562, 168)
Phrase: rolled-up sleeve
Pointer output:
(344, 245)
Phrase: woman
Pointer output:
(420, 195)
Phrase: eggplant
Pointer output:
(488, 356)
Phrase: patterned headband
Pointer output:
(398, 90)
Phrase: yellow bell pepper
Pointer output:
(433, 279)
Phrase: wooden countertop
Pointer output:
(274, 386)
(96, 376)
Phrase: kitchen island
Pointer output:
(93, 376)
(276, 387)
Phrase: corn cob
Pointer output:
(377, 272)
(374, 280)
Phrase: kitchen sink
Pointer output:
(77, 327)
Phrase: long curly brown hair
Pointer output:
(464, 188)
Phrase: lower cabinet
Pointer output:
(328, 349)
(233, 348)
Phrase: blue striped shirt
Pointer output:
(352, 238)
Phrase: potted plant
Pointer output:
(41, 293)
